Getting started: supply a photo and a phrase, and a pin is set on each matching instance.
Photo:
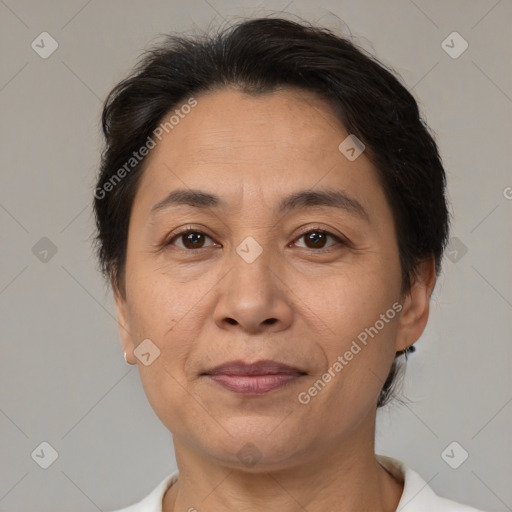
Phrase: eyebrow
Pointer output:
(298, 200)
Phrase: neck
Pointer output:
(347, 477)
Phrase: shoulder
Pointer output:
(417, 495)
(153, 501)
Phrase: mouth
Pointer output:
(256, 378)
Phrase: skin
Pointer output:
(202, 307)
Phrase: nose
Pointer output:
(253, 298)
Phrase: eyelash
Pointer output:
(188, 230)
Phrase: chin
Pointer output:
(255, 444)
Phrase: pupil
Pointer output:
(192, 239)
(316, 238)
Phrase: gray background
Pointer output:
(63, 378)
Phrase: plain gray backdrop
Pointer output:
(63, 378)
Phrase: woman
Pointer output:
(271, 214)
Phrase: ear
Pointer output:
(416, 305)
(123, 322)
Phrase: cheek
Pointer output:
(354, 300)
(158, 312)
(167, 395)
(161, 304)
(360, 310)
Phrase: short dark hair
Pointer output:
(259, 56)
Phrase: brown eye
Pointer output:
(190, 240)
(316, 239)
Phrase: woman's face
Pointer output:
(273, 271)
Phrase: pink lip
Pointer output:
(253, 379)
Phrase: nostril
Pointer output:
(270, 321)
(232, 321)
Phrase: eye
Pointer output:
(191, 239)
(316, 239)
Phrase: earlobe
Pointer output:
(416, 306)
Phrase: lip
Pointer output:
(253, 378)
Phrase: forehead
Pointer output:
(230, 122)
(234, 143)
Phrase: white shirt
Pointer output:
(417, 495)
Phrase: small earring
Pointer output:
(126, 360)
(406, 351)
